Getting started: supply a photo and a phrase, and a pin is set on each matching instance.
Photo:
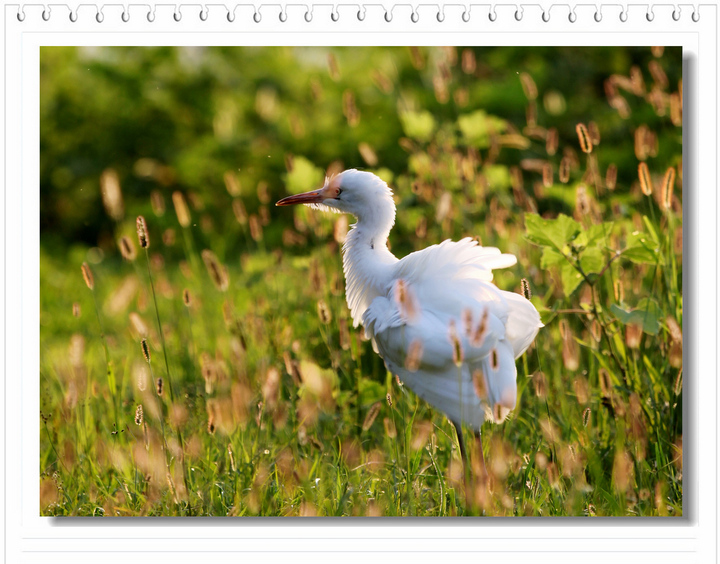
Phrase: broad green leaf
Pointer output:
(418, 125)
(641, 249)
(555, 232)
(571, 278)
(646, 315)
(592, 260)
(478, 126)
(551, 257)
(594, 234)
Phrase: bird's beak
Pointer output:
(312, 197)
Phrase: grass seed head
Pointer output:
(414, 355)
(127, 249)
(76, 309)
(547, 175)
(479, 384)
(371, 415)
(527, 294)
(88, 276)
(324, 312)
(145, 350)
(564, 171)
(142, 232)
(611, 177)
(157, 202)
(646, 184)
(456, 344)
(181, 209)
(528, 86)
(478, 335)
(540, 384)
(159, 386)
(139, 415)
(218, 273)
(668, 186)
(187, 298)
(584, 137)
(111, 194)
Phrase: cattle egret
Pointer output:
(435, 317)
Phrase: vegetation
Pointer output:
(197, 356)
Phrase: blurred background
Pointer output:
(167, 119)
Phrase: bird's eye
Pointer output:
(338, 191)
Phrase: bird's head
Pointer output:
(352, 191)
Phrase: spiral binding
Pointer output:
(361, 12)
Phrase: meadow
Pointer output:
(197, 354)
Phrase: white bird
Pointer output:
(435, 317)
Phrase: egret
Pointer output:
(435, 317)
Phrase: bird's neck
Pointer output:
(367, 261)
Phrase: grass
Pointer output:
(273, 404)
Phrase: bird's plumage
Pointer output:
(439, 302)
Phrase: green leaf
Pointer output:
(592, 260)
(594, 234)
(551, 257)
(555, 232)
(646, 315)
(478, 126)
(571, 278)
(418, 125)
(651, 230)
(641, 249)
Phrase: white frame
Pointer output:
(31, 538)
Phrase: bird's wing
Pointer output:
(446, 306)
(453, 259)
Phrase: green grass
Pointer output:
(273, 404)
